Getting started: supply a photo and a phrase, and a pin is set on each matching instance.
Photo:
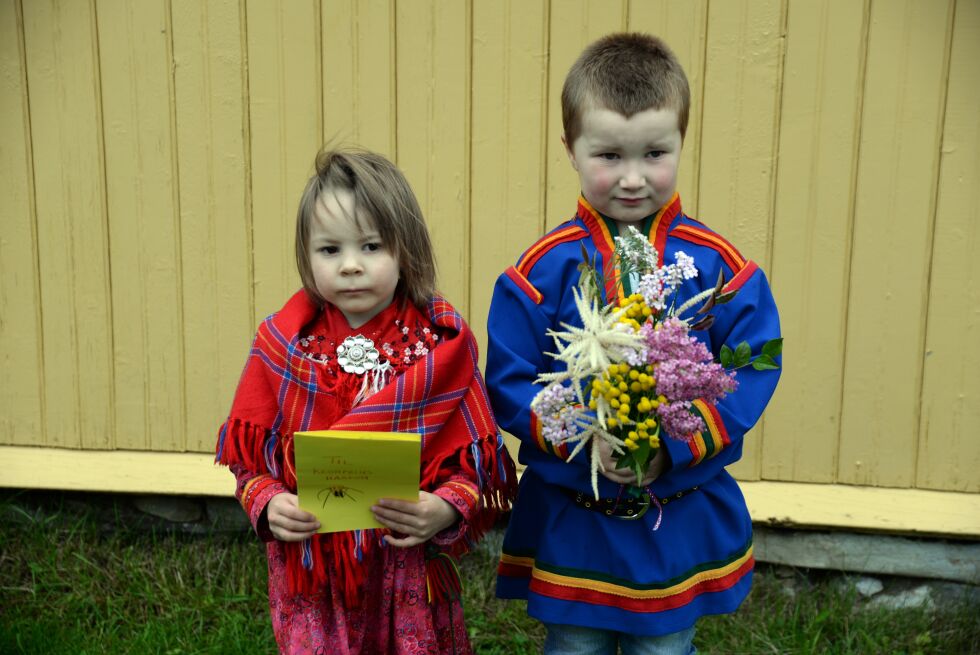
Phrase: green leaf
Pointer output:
(773, 347)
(726, 355)
(704, 322)
(743, 354)
(722, 298)
(764, 363)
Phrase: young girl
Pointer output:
(368, 273)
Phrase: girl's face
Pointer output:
(353, 270)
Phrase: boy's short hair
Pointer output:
(381, 192)
(626, 73)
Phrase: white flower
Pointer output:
(357, 355)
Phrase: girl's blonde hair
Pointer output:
(382, 193)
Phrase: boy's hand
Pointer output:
(417, 521)
(608, 459)
(657, 466)
(287, 521)
(627, 476)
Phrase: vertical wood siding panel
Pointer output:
(682, 24)
(509, 112)
(821, 84)
(21, 418)
(949, 450)
(359, 74)
(574, 25)
(904, 92)
(284, 114)
(135, 71)
(433, 128)
(738, 133)
(215, 217)
(66, 133)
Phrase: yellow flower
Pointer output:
(611, 422)
(634, 374)
(614, 402)
(622, 387)
(623, 367)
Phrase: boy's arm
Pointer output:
(752, 317)
(516, 354)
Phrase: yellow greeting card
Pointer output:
(340, 474)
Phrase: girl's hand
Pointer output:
(418, 521)
(608, 459)
(287, 521)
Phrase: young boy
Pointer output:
(600, 573)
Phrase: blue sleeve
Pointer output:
(516, 353)
(752, 317)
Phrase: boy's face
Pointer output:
(627, 167)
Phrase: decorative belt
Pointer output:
(628, 508)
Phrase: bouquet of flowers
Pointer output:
(633, 369)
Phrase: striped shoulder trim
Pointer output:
(524, 284)
(705, 237)
(546, 243)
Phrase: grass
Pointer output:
(76, 580)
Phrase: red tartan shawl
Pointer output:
(441, 395)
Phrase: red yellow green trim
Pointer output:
(659, 228)
(542, 443)
(577, 586)
(708, 443)
(597, 592)
(515, 567)
(718, 243)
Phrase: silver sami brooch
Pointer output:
(357, 355)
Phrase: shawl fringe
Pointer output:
(475, 448)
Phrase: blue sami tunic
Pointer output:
(578, 566)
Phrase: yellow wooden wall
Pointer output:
(152, 154)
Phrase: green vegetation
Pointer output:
(74, 581)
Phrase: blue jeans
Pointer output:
(576, 640)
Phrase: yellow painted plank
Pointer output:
(739, 135)
(21, 418)
(908, 511)
(510, 41)
(215, 212)
(509, 131)
(897, 172)
(433, 129)
(574, 25)
(949, 450)
(143, 224)
(817, 153)
(66, 131)
(682, 24)
(117, 471)
(359, 74)
(285, 131)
